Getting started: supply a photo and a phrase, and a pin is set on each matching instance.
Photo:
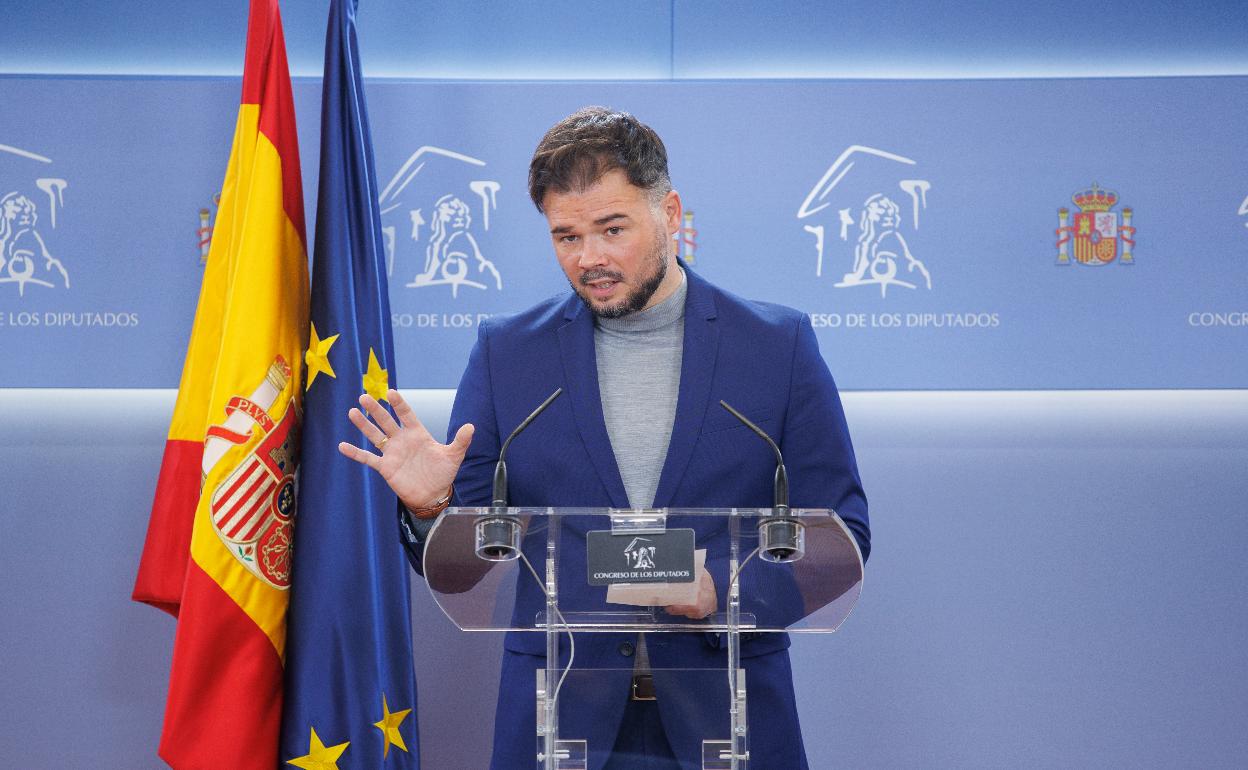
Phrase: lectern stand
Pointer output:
(560, 570)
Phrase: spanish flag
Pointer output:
(218, 553)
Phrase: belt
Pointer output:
(643, 687)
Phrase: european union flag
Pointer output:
(350, 688)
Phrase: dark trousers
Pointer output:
(641, 743)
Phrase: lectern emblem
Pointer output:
(640, 555)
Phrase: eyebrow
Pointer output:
(597, 222)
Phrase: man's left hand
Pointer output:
(707, 600)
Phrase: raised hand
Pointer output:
(417, 466)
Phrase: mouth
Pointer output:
(601, 284)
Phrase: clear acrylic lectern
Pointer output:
(557, 570)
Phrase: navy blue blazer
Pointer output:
(761, 358)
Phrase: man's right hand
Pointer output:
(417, 467)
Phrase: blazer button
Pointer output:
(626, 649)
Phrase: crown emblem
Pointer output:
(1095, 199)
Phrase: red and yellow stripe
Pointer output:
(224, 705)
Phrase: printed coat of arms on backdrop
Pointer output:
(1096, 230)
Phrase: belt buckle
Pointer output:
(643, 687)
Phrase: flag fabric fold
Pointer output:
(217, 554)
(350, 687)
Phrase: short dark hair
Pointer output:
(578, 150)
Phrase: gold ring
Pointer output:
(382, 444)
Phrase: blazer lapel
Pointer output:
(697, 373)
(580, 367)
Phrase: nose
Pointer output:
(592, 254)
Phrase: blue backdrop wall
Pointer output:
(942, 234)
(1051, 410)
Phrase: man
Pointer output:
(644, 350)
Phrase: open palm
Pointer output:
(417, 466)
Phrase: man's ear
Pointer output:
(672, 210)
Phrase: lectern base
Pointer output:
(568, 755)
(717, 755)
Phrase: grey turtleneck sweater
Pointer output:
(638, 379)
(638, 360)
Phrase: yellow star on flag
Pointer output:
(376, 379)
(317, 356)
(389, 726)
(319, 756)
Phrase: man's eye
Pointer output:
(614, 230)
(568, 238)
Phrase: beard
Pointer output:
(640, 295)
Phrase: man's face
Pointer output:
(614, 246)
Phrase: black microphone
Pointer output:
(781, 538)
(499, 499)
(498, 535)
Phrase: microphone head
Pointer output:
(500, 470)
(780, 497)
(499, 499)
